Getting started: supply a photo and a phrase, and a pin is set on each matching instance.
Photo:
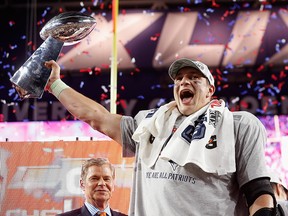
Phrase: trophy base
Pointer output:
(22, 92)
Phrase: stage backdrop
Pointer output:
(42, 178)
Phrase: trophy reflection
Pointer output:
(65, 29)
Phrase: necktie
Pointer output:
(102, 213)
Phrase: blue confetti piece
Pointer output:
(276, 89)
(95, 2)
(244, 92)
(11, 91)
(13, 47)
(260, 82)
(261, 89)
(268, 6)
(231, 23)
(16, 97)
(44, 13)
(260, 111)
(6, 66)
(274, 16)
(271, 92)
(161, 102)
(181, 9)
(229, 66)
(248, 61)
(231, 37)
(155, 86)
(256, 88)
(81, 84)
(83, 10)
(210, 10)
(197, 2)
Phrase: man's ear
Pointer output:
(211, 90)
(82, 186)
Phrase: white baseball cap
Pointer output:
(184, 62)
(275, 178)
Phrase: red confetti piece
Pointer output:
(123, 104)
(244, 104)
(186, 9)
(265, 106)
(102, 6)
(103, 96)
(1, 118)
(97, 70)
(218, 71)
(260, 68)
(227, 47)
(275, 102)
(123, 12)
(280, 85)
(11, 23)
(274, 77)
(85, 70)
(152, 38)
(225, 86)
(282, 74)
(106, 66)
(214, 4)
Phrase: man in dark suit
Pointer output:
(97, 183)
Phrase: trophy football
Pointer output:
(64, 29)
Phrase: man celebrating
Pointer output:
(193, 156)
(97, 183)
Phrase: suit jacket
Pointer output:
(83, 211)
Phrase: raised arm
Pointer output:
(82, 107)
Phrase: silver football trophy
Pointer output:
(64, 29)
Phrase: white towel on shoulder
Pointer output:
(211, 146)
